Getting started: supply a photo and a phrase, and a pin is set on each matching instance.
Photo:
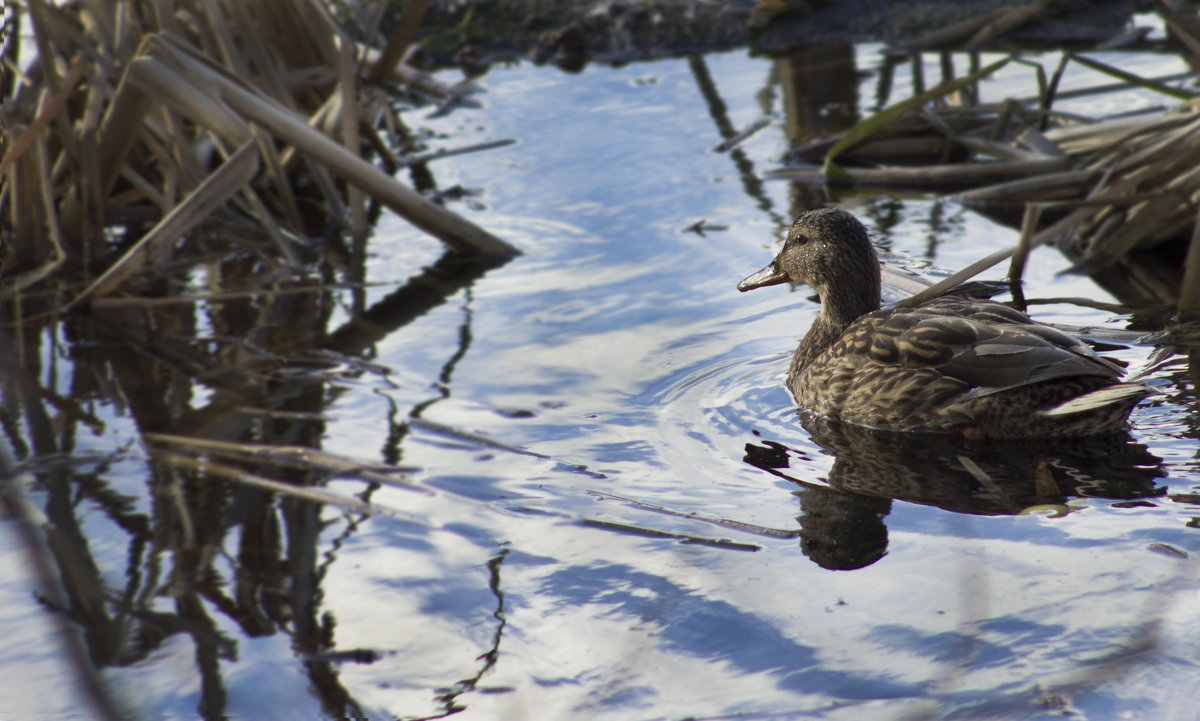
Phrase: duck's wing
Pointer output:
(989, 346)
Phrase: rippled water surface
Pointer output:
(624, 516)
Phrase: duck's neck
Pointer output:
(838, 311)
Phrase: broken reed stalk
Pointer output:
(402, 37)
(958, 175)
(1029, 224)
(1189, 296)
(456, 232)
(962, 276)
(48, 112)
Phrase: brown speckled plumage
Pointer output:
(953, 365)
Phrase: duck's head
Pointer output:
(829, 251)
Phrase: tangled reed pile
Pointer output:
(1098, 189)
(140, 120)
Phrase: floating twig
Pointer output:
(449, 152)
(655, 533)
(696, 516)
(730, 143)
(304, 493)
(296, 456)
(480, 440)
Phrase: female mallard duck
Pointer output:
(977, 368)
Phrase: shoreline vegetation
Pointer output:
(172, 117)
(150, 123)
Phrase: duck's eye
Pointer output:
(800, 239)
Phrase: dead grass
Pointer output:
(176, 113)
(1098, 189)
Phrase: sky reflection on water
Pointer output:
(618, 350)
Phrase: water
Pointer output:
(556, 406)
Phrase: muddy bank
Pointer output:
(571, 33)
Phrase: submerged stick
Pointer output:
(696, 516)
(988, 484)
(449, 152)
(481, 440)
(655, 533)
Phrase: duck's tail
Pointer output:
(1120, 395)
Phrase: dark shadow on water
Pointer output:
(842, 524)
(687, 622)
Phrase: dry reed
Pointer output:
(1098, 189)
(174, 113)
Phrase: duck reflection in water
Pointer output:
(842, 524)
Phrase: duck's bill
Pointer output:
(771, 275)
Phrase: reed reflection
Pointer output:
(229, 399)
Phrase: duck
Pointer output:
(978, 369)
